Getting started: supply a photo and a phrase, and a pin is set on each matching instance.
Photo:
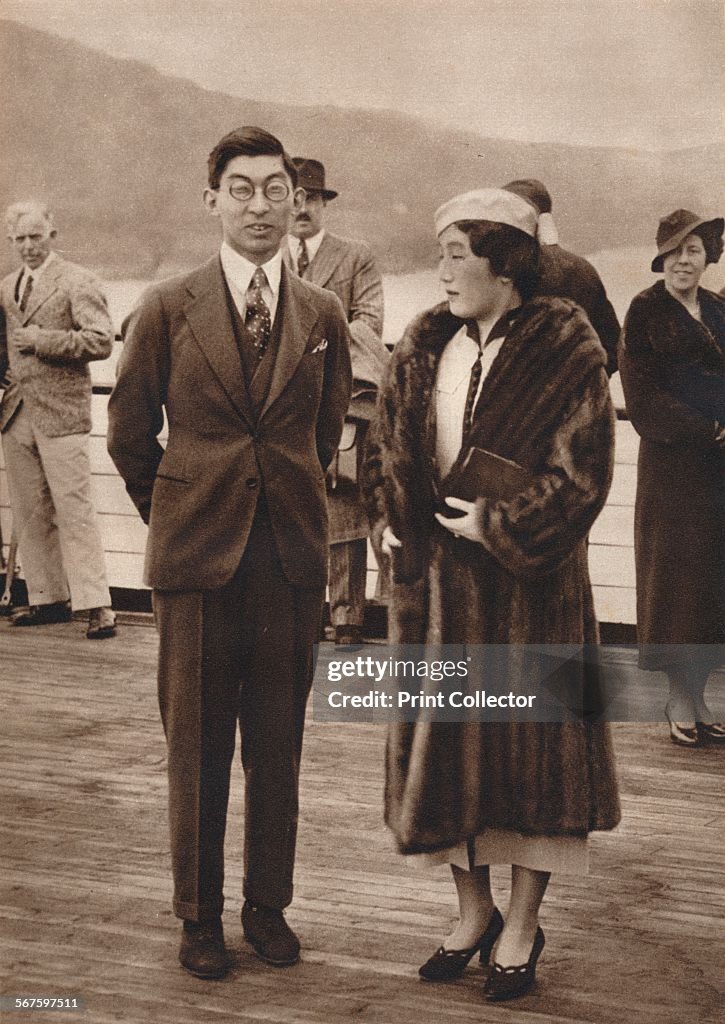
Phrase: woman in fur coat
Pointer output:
(673, 373)
(524, 379)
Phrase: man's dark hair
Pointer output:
(246, 141)
(510, 252)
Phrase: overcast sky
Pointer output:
(642, 73)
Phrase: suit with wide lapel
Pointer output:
(238, 588)
(209, 319)
(180, 356)
(329, 259)
(68, 306)
(208, 316)
(43, 289)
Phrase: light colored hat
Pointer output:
(494, 204)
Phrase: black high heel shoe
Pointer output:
(711, 733)
(512, 982)
(449, 964)
(682, 735)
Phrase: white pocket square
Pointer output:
(320, 348)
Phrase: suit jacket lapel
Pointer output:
(208, 317)
(325, 262)
(43, 288)
(298, 318)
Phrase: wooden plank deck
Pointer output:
(86, 889)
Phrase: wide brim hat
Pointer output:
(674, 229)
(492, 204)
(311, 176)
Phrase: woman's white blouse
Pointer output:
(454, 373)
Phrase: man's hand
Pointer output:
(26, 338)
(389, 541)
(720, 435)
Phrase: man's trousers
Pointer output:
(59, 544)
(348, 573)
(242, 653)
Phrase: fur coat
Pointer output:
(544, 404)
(673, 375)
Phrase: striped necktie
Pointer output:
(258, 319)
(303, 258)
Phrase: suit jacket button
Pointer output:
(252, 483)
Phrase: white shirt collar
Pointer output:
(239, 271)
(313, 245)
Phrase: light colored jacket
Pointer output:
(54, 383)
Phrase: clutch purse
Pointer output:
(482, 474)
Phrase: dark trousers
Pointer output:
(348, 572)
(242, 653)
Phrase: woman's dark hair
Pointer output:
(246, 141)
(711, 239)
(510, 252)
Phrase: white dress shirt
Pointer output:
(454, 373)
(313, 244)
(239, 273)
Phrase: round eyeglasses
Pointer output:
(275, 191)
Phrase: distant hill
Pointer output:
(119, 151)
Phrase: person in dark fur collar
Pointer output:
(672, 361)
(504, 572)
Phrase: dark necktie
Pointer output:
(258, 320)
(27, 292)
(303, 259)
(473, 383)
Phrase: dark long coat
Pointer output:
(673, 374)
(544, 404)
(567, 276)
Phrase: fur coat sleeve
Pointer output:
(544, 404)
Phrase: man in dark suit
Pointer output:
(252, 368)
(347, 268)
(566, 275)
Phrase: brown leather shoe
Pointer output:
(266, 930)
(101, 624)
(202, 951)
(41, 614)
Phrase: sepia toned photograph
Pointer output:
(362, 505)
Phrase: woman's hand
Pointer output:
(389, 541)
(719, 435)
(466, 525)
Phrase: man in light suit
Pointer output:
(348, 269)
(55, 322)
(252, 368)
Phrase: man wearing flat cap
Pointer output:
(566, 275)
(347, 268)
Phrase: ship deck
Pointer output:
(86, 885)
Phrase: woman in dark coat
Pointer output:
(506, 572)
(672, 364)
